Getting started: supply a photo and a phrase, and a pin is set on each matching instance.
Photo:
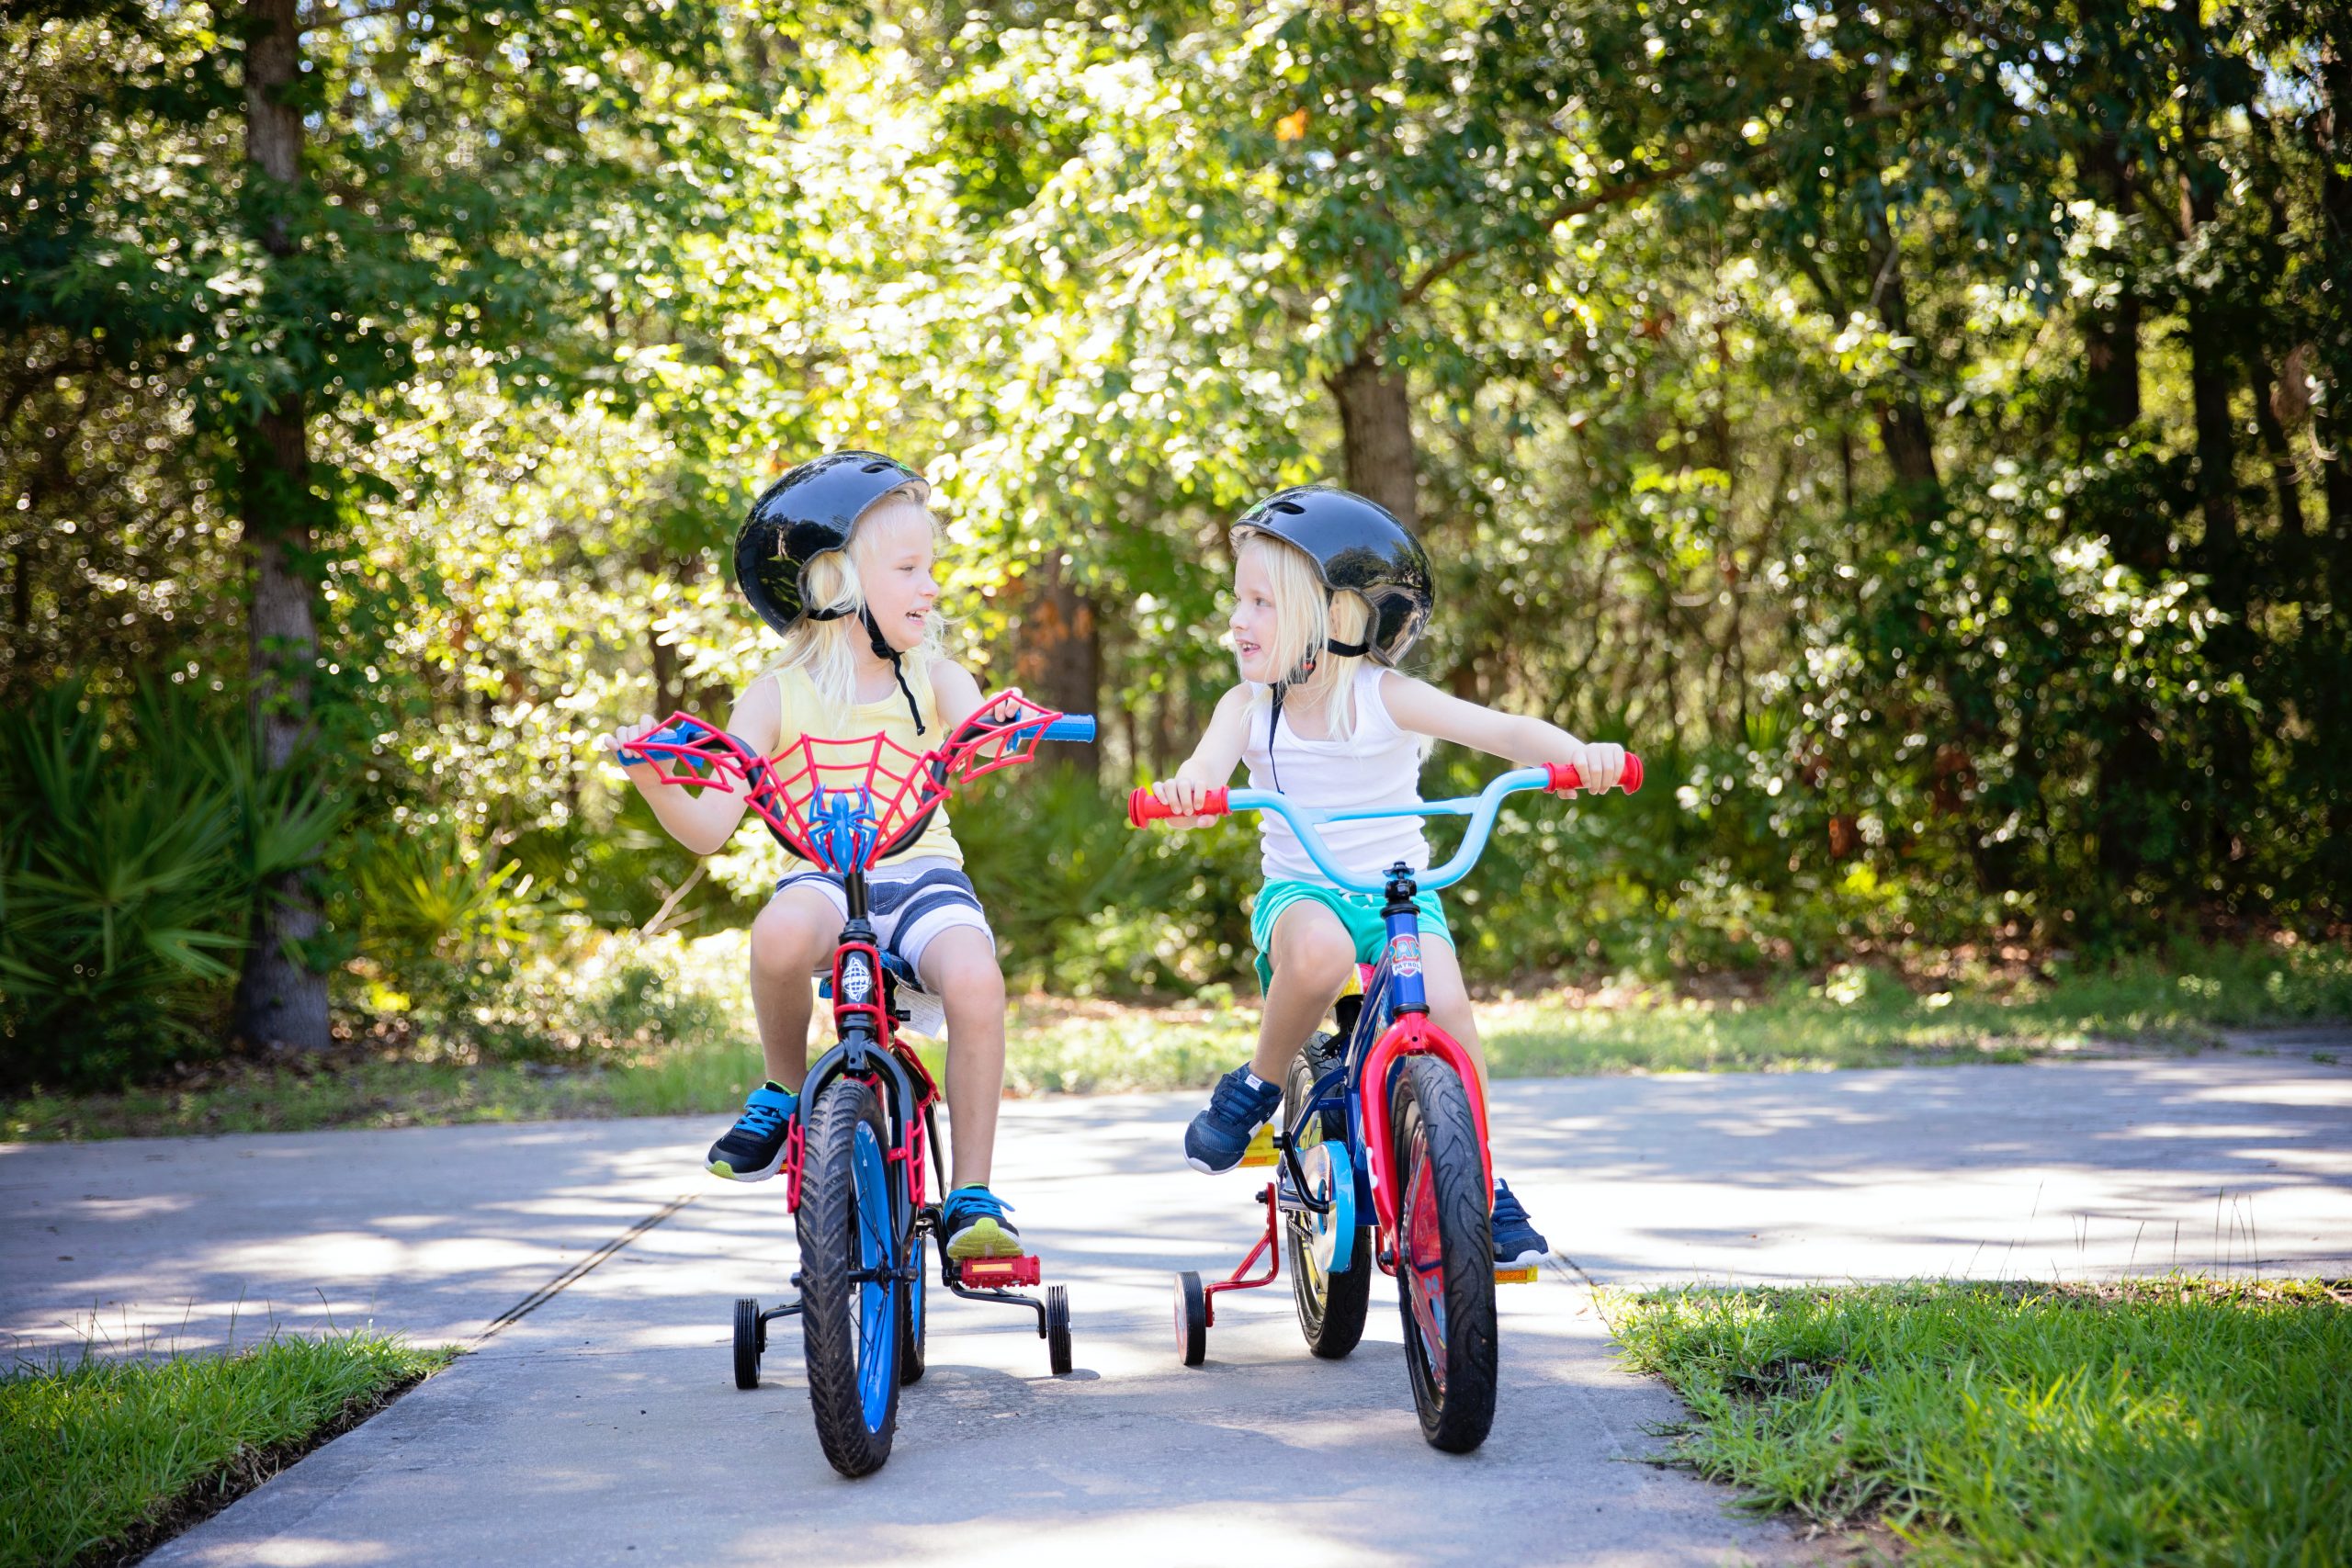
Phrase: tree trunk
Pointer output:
(2213, 367)
(1376, 435)
(2294, 544)
(2334, 419)
(281, 1000)
(1061, 658)
(2332, 430)
(2128, 812)
(1902, 427)
(2111, 334)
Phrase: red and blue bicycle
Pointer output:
(855, 1151)
(1382, 1151)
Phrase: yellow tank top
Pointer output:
(806, 714)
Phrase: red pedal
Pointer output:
(983, 1272)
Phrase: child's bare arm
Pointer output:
(955, 692)
(1211, 761)
(703, 820)
(1418, 706)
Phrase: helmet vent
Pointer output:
(876, 467)
(1292, 507)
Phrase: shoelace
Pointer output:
(980, 1204)
(762, 1118)
(1234, 1101)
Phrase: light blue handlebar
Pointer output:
(1071, 727)
(1480, 808)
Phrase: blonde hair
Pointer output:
(826, 651)
(1309, 617)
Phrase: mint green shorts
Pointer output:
(1359, 915)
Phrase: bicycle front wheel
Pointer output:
(1446, 1255)
(851, 1295)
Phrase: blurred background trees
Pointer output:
(1918, 429)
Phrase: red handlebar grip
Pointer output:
(1566, 777)
(1144, 807)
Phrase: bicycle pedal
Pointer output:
(998, 1271)
(1521, 1274)
(1262, 1149)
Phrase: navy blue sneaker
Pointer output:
(1518, 1244)
(973, 1218)
(752, 1149)
(1220, 1136)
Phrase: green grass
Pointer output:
(2155, 1422)
(1868, 1018)
(100, 1458)
(1857, 1017)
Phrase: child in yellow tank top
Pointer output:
(805, 712)
(837, 555)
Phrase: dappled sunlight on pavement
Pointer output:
(601, 1426)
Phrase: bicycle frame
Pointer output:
(846, 830)
(1393, 1023)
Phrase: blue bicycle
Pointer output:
(857, 1151)
(1383, 1153)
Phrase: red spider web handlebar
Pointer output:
(846, 803)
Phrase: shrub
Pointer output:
(133, 837)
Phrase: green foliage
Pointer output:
(133, 838)
(1837, 406)
(661, 1027)
(1860, 1016)
(2148, 1421)
(93, 1452)
(1083, 904)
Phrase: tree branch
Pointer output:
(1576, 207)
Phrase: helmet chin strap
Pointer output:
(1305, 668)
(882, 649)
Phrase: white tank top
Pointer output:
(1378, 766)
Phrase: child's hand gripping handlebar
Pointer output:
(1143, 806)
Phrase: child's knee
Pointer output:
(1317, 956)
(964, 971)
(787, 939)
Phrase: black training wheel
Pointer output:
(1058, 1328)
(748, 1333)
(1191, 1318)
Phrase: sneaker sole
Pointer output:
(726, 1172)
(1527, 1259)
(984, 1238)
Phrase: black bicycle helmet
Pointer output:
(1357, 545)
(803, 515)
(806, 514)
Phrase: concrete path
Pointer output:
(600, 1427)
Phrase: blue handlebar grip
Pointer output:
(1071, 727)
(668, 734)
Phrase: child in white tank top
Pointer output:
(1330, 591)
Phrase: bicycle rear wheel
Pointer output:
(1446, 1255)
(850, 1290)
(1332, 1301)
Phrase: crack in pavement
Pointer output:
(580, 1270)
